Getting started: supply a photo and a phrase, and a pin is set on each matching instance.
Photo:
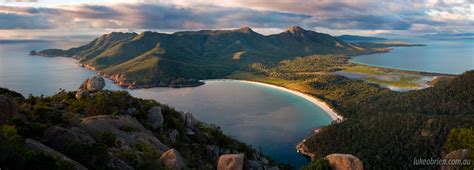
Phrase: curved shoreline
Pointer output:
(318, 102)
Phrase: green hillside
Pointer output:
(157, 59)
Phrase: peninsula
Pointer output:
(151, 59)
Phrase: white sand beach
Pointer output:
(334, 116)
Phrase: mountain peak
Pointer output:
(244, 30)
(295, 29)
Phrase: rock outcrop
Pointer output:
(461, 154)
(57, 137)
(189, 120)
(80, 94)
(231, 162)
(90, 85)
(39, 147)
(173, 134)
(129, 132)
(8, 109)
(155, 117)
(93, 84)
(171, 159)
(344, 162)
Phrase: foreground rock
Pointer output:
(189, 120)
(344, 162)
(231, 162)
(39, 147)
(93, 84)
(8, 109)
(461, 154)
(128, 131)
(171, 159)
(90, 85)
(57, 137)
(80, 94)
(155, 117)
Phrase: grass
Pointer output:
(363, 70)
(404, 82)
(374, 74)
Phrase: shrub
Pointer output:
(8, 131)
(108, 138)
(462, 138)
(150, 158)
(90, 155)
(318, 164)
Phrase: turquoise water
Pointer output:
(269, 119)
(440, 56)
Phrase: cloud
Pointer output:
(372, 15)
(151, 16)
(18, 21)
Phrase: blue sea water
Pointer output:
(440, 56)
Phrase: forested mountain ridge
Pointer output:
(158, 59)
(390, 129)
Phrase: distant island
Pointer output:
(151, 59)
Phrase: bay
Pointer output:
(270, 119)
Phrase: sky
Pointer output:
(43, 18)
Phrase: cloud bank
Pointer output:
(425, 16)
